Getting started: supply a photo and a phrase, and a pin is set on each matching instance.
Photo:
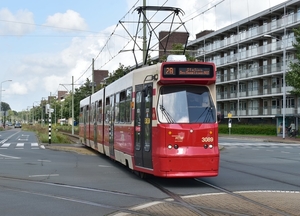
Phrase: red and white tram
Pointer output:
(159, 120)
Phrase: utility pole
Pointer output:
(73, 102)
(144, 34)
(93, 78)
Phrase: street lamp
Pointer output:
(1, 97)
(34, 111)
(283, 79)
(72, 102)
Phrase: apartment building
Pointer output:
(252, 57)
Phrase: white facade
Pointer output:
(249, 56)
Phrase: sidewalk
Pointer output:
(263, 138)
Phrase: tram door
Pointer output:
(111, 125)
(85, 117)
(95, 117)
(143, 126)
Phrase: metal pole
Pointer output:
(93, 77)
(283, 79)
(72, 105)
(283, 111)
(1, 99)
(144, 34)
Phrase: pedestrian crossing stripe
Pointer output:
(19, 145)
(5, 145)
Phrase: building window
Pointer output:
(275, 103)
(232, 88)
(275, 82)
(242, 87)
(243, 105)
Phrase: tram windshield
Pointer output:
(185, 104)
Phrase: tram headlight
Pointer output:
(210, 146)
(170, 146)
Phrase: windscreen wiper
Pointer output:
(208, 111)
(166, 114)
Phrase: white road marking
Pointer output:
(45, 160)
(5, 145)
(103, 166)
(45, 175)
(8, 157)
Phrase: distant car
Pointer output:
(8, 124)
(18, 125)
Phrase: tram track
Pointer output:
(263, 176)
(234, 203)
(273, 210)
(201, 208)
(65, 197)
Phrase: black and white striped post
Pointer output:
(49, 113)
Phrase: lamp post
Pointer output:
(72, 102)
(35, 113)
(283, 80)
(43, 103)
(1, 97)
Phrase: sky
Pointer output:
(43, 44)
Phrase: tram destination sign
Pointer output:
(188, 71)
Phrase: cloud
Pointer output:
(70, 20)
(17, 24)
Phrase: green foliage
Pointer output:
(293, 75)
(42, 133)
(177, 49)
(66, 128)
(248, 129)
(117, 74)
(5, 106)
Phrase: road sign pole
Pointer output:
(49, 113)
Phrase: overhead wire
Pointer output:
(112, 57)
(104, 46)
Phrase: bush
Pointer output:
(66, 128)
(248, 129)
(42, 133)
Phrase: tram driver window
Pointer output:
(185, 104)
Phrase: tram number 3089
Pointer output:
(207, 139)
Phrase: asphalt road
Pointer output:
(64, 180)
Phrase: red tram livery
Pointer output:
(158, 120)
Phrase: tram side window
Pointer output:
(99, 112)
(88, 114)
(117, 109)
(128, 105)
(81, 115)
(93, 112)
(122, 106)
(107, 110)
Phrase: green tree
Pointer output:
(293, 75)
(121, 71)
(177, 49)
(5, 106)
